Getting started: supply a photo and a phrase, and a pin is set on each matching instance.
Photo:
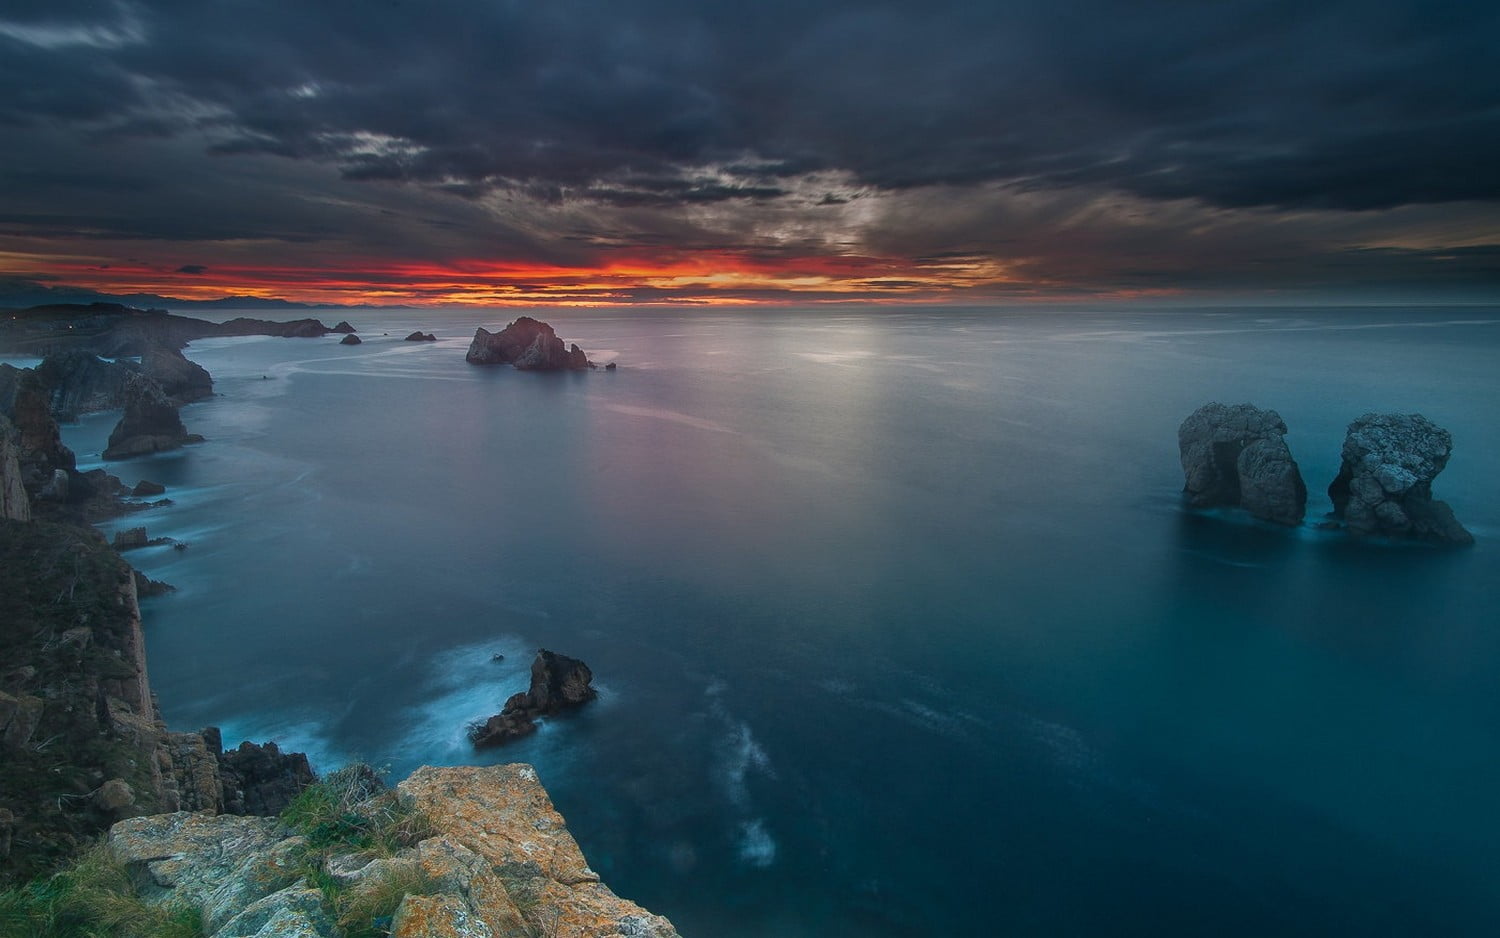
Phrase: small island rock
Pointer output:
(343, 327)
(557, 683)
(528, 345)
(1234, 455)
(1384, 485)
(150, 425)
(350, 339)
(420, 336)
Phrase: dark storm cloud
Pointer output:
(1237, 103)
(191, 269)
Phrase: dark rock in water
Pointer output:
(150, 424)
(146, 487)
(293, 329)
(527, 344)
(1234, 455)
(420, 336)
(610, 367)
(1384, 485)
(130, 538)
(497, 657)
(343, 327)
(145, 586)
(182, 380)
(558, 683)
(351, 339)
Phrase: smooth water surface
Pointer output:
(899, 625)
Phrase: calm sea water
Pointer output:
(899, 624)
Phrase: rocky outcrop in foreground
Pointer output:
(1235, 456)
(496, 862)
(558, 683)
(150, 424)
(529, 345)
(15, 504)
(1384, 485)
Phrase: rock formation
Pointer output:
(498, 862)
(182, 380)
(1236, 456)
(420, 336)
(150, 424)
(1384, 485)
(146, 488)
(351, 339)
(79, 382)
(81, 741)
(343, 328)
(527, 344)
(15, 504)
(557, 683)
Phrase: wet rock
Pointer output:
(1235, 456)
(1384, 485)
(420, 336)
(558, 683)
(146, 488)
(351, 339)
(130, 538)
(527, 344)
(610, 367)
(151, 423)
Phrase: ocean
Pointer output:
(899, 624)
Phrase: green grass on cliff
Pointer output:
(94, 898)
(352, 811)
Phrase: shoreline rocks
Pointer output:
(1235, 456)
(1384, 485)
(528, 345)
(558, 683)
(151, 423)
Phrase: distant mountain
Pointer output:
(17, 293)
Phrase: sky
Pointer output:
(701, 151)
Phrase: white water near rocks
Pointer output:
(899, 624)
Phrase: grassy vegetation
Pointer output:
(352, 810)
(94, 898)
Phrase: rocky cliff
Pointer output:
(491, 858)
(529, 345)
(15, 505)
(81, 743)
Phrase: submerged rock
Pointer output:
(150, 425)
(527, 344)
(1384, 485)
(558, 683)
(1235, 455)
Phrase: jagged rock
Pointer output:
(181, 379)
(529, 345)
(351, 339)
(150, 424)
(146, 488)
(420, 336)
(1384, 485)
(145, 586)
(79, 382)
(502, 814)
(557, 683)
(343, 327)
(1236, 456)
(14, 502)
(261, 779)
(130, 538)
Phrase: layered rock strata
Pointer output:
(1384, 485)
(1235, 456)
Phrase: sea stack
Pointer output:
(527, 344)
(1384, 485)
(1235, 456)
(150, 425)
(557, 683)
